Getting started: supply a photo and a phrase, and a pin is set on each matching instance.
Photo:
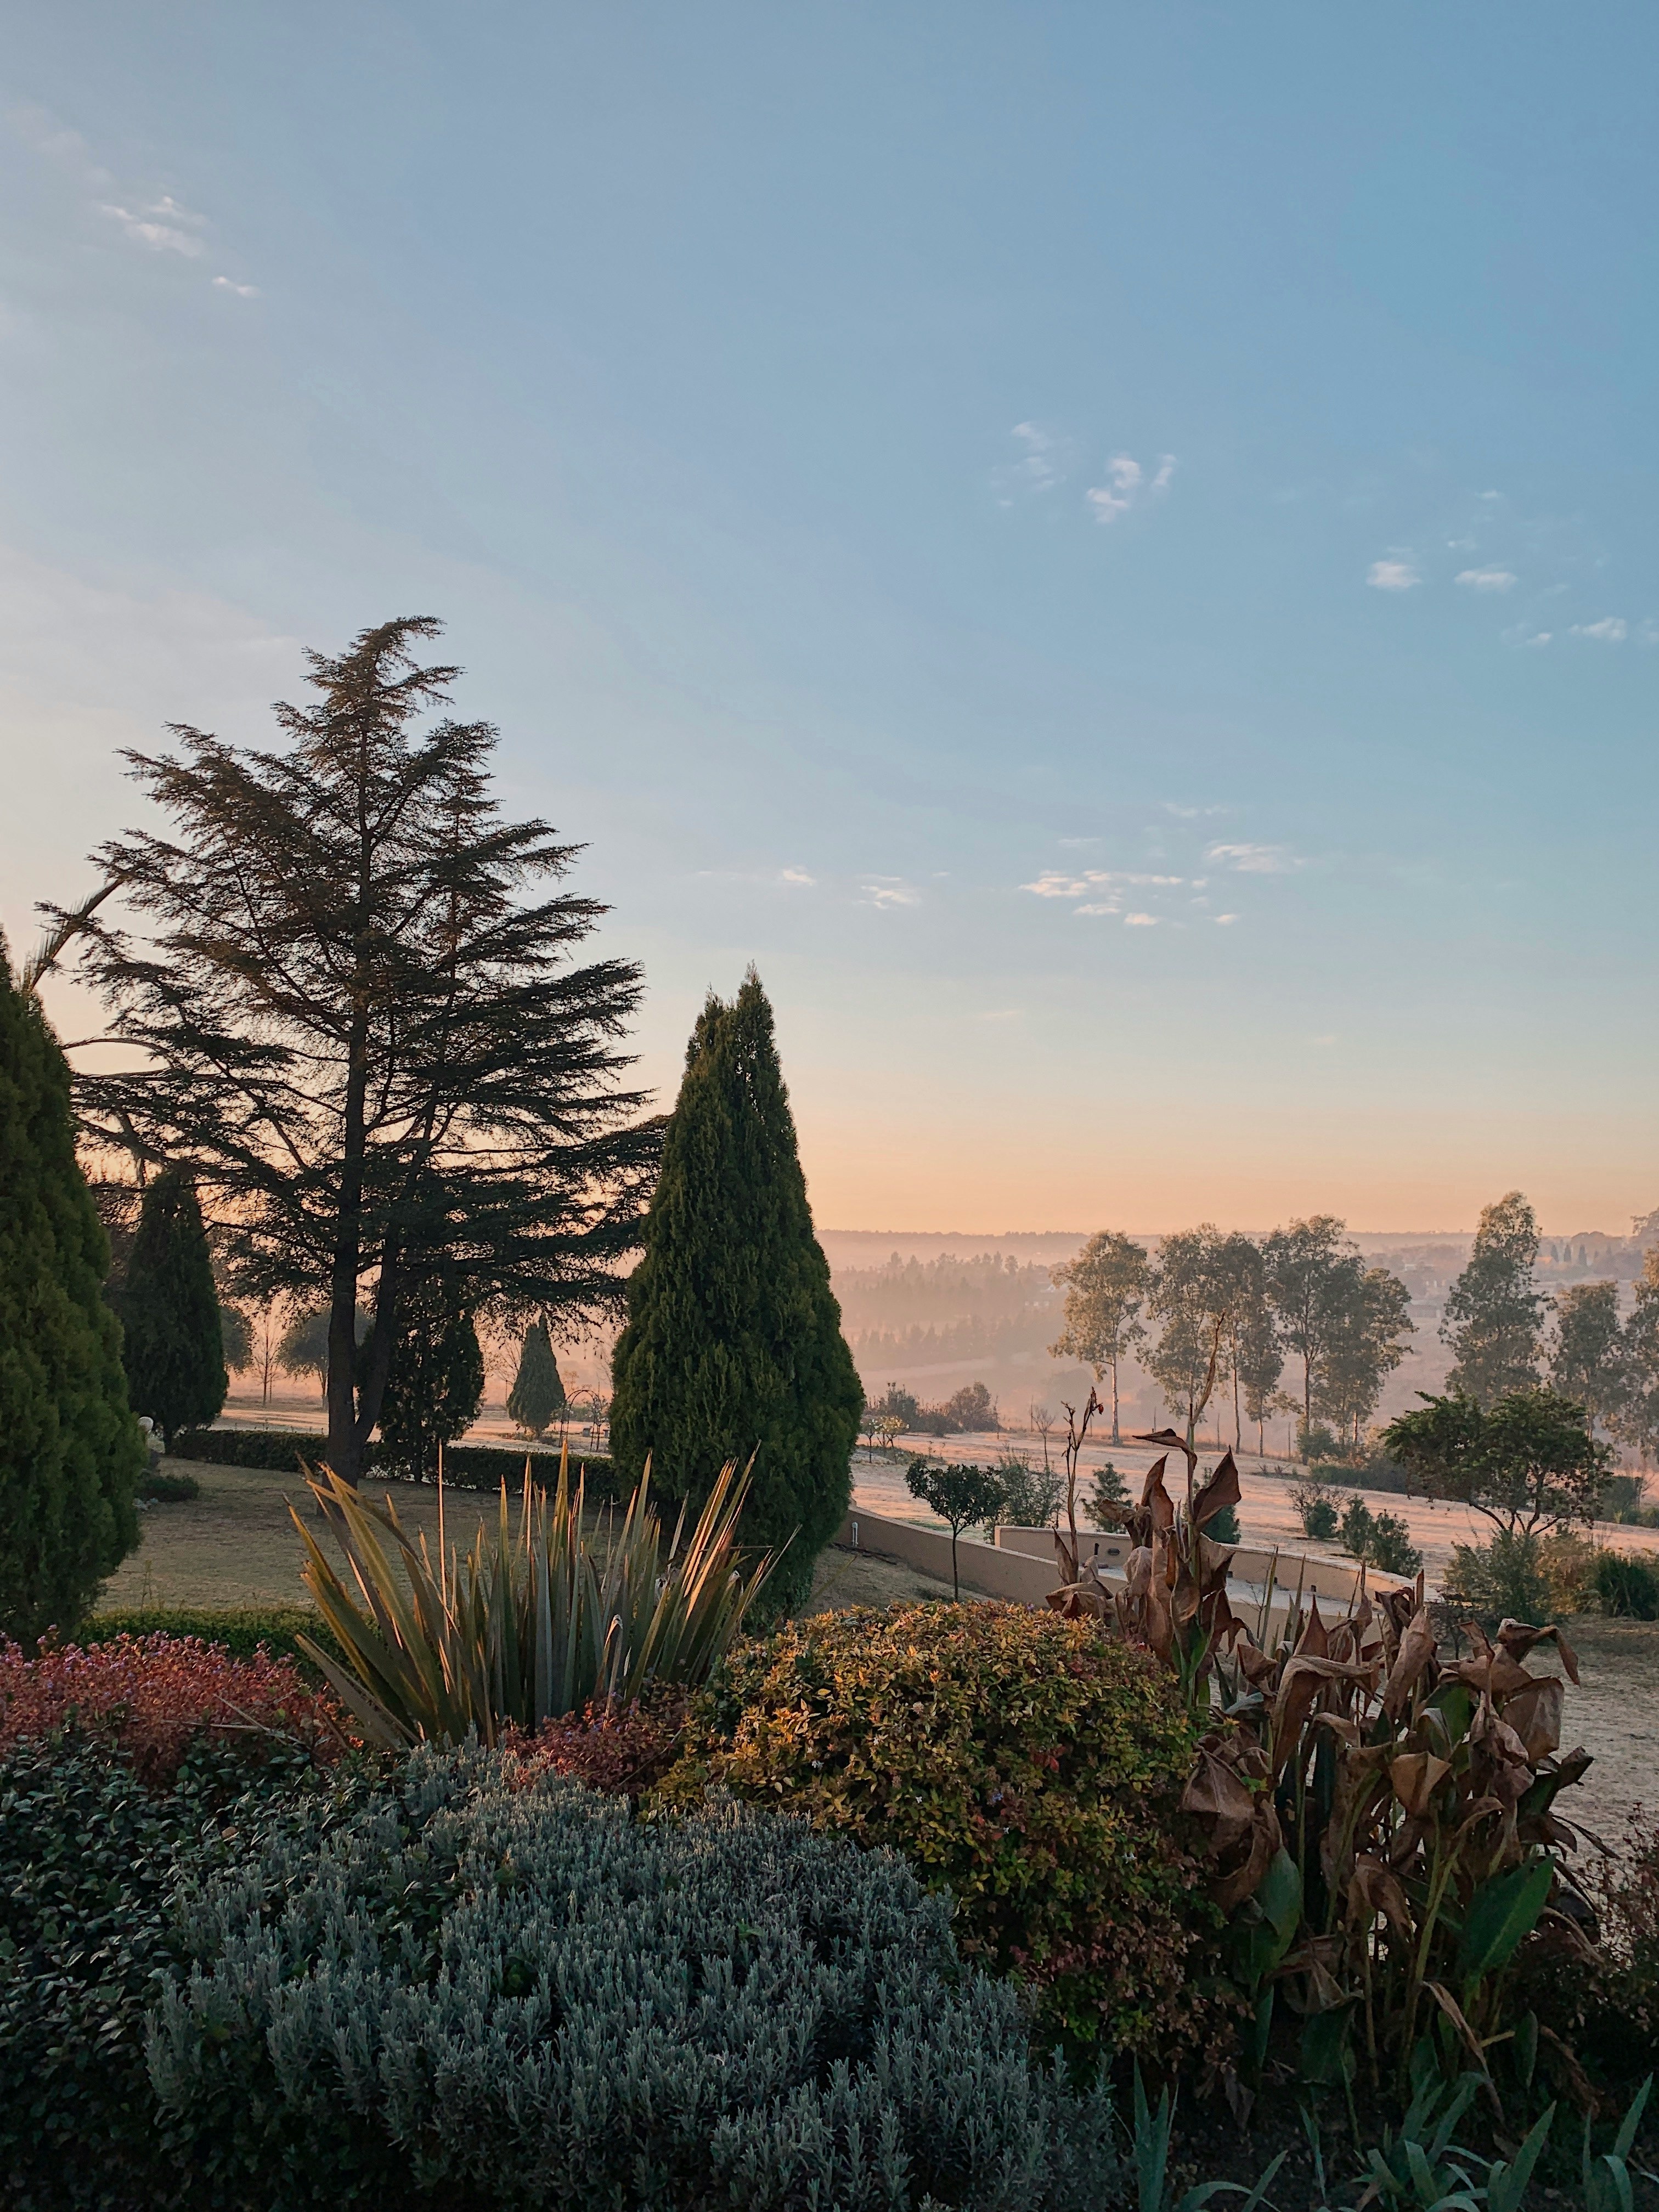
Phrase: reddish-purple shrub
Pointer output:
(150, 1697)
(622, 1750)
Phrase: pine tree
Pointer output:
(437, 1381)
(733, 1343)
(174, 1343)
(71, 1451)
(538, 1392)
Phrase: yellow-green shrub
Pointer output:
(1026, 1763)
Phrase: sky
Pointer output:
(1108, 549)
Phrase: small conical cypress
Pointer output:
(733, 1343)
(436, 1382)
(175, 1348)
(71, 1451)
(538, 1392)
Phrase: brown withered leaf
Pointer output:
(1155, 1499)
(1221, 1491)
(1256, 1667)
(1373, 1889)
(1415, 1654)
(1217, 1795)
(1416, 1775)
(1493, 1671)
(1535, 1716)
(1518, 1638)
(1315, 1642)
(1229, 1891)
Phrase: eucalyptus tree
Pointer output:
(1494, 1316)
(1105, 1288)
(348, 999)
(1589, 1355)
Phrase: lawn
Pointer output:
(236, 1545)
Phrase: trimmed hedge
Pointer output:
(1030, 1765)
(466, 1466)
(242, 1629)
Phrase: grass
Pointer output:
(234, 1545)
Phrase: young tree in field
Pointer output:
(536, 1397)
(1259, 1363)
(1311, 1272)
(733, 1348)
(1587, 1353)
(71, 1450)
(1637, 1421)
(436, 1381)
(173, 1343)
(354, 1014)
(1494, 1311)
(1105, 1288)
(1191, 1296)
(1248, 1331)
(972, 1410)
(1108, 1503)
(965, 1497)
(1367, 1340)
(1528, 1463)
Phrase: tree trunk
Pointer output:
(1117, 1439)
(345, 1451)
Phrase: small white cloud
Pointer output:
(161, 237)
(1126, 484)
(1055, 884)
(1141, 921)
(1226, 920)
(890, 891)
(795, 876)
(1489, 495)
(242, 291)
(1079, 841)
(1520, 635)
(1488, 579)
(1254, 859)
(1612, 630)
(1044, 458)
(1100, 906)
(1392, 576)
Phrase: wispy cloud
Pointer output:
(890, 891)
(158, 227)
(1042, 460)
(1254, 859)
(1188, 813)
(1521, 635)
(1226, 920)
(242, 291)
(1127, 484)
(1392, 576)
(1141, 921)
(1100, 906)
(795, 876)
(1488, 579)
(1055, 883)
(1612, 630)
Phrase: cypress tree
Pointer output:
(733, 1343)
(71, 1451)
(437, 1380)
(538, 1392)
(174, 1349)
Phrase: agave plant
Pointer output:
(541, 1617)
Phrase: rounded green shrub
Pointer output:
(1627, 1587)
(1031, 1765)
(488, 1987)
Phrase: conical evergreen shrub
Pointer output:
(71, 1451)
(174, 1349)
(734, 1342)
(437, 1379)
(538, 1392)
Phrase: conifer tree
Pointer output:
(538, 1392)
(71, 1450)
(437, 1381)
(733, 1344)
(174, 1342)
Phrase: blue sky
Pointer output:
(1108, 549)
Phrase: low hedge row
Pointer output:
(467, 1467)
(241, 1629)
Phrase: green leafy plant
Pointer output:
(727, 2009)
(532, 1624)
(1029, 1764)
(1149, 2159)
(1380, 1540)
(1627, 1585)
(1315, 1509)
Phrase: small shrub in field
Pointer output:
(1381, 1539)
(1627, 1585)
(1315, 1509)
(470, 1992)
(1503, 1580)
(151, 1697)
(1029, 1764)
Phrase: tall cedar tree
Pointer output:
(70, 1448)
(733, 1343)
(538, 1392)
(437, 1379)
(173, 1346)
(349, 1018)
